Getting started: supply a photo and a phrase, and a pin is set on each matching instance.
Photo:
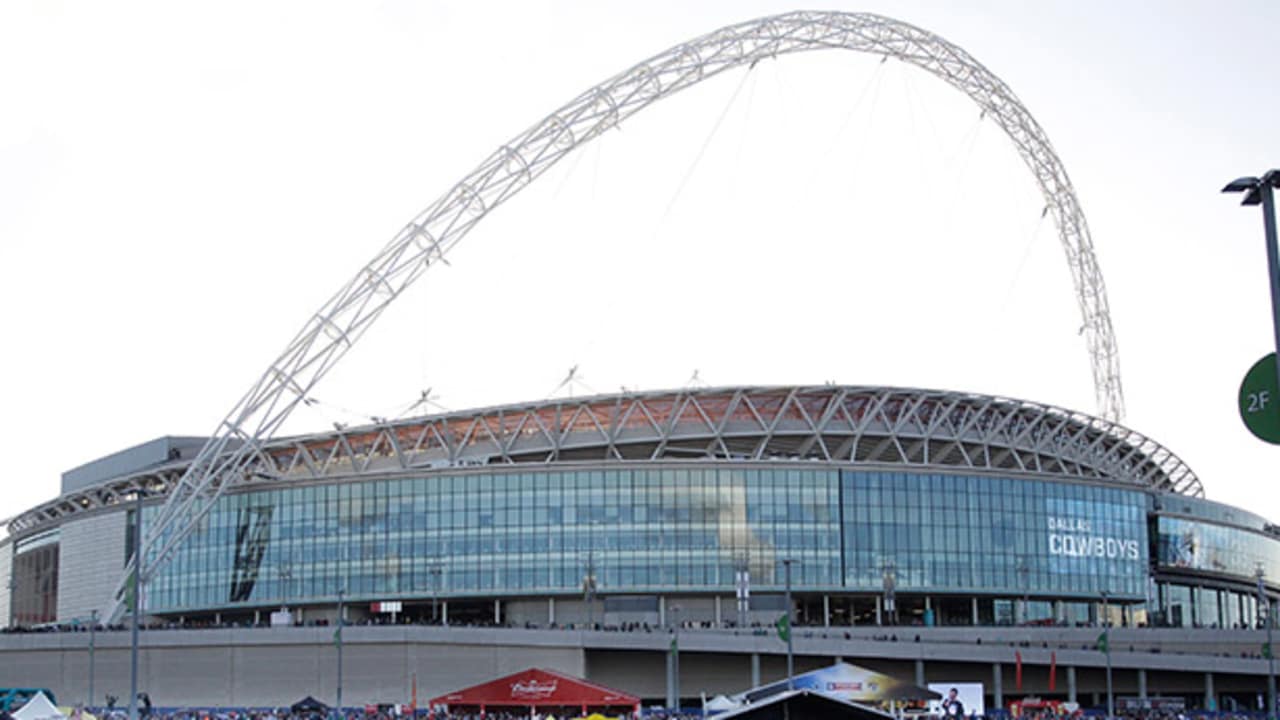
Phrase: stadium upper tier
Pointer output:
(838, 424)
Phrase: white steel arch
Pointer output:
(235, 448)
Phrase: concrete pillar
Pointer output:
(920, 672)
(1071, 684)
(497, 611)
(1210, 697)
(826, 611)
(662, 611)
(444, 612)
(879, 610)
(755, 670)
(974, 608)
(256, 618)
(551, 611)
(1142, 683)
(217, 618)
(719, 617)
(997, 685)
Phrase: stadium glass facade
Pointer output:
(662, 529)
(1196, 545)
(957, 532)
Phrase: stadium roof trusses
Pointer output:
(847, 425)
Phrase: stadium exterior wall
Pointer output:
(6, 576)
(93, 550)
(951, 508)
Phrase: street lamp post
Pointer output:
(1259, 191)
(675, 656)
(435, 571)
(742, 588)
(1024, 573)
(589, 588)
(339, 643)
(93, 627)
(1265, 602)
(791, 668)
(1106, 648)
(285, 571)
(888, 576)
(136, 610)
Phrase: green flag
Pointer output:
(1103, 642)
(129, 599)
(784, 627)
(1266, 650)
(337, 636)
(675, 645)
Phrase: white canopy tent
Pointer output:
(39, 708)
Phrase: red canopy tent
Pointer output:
(534, 688)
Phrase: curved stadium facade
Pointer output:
(894, 506)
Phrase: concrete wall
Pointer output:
(266, 667)
(6, 569)
(277, 666)
(90, 560)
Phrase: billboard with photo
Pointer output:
(969, 696)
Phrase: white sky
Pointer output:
(182, 185)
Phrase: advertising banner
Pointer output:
(964, 702)
(847, 682)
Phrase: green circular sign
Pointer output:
(1260, 400)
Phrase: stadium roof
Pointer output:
(848, 425)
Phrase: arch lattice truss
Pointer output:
(848, 426)
(427, 239)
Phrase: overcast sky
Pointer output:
(182, 186)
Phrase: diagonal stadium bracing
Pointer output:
(845, 425)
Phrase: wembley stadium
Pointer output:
(925, 511)
(652, 541)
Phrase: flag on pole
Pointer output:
(675, 645)
(1103, 642)
(784, 627)
(1266, 650)
(130, 601)
(1053, 671)
(337, 636)
(1017, 670)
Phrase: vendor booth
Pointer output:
(537, 691)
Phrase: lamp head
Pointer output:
(1241, 184)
